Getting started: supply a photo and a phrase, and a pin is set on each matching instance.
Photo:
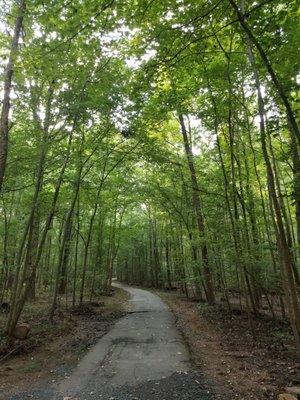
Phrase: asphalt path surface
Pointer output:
(143, 357)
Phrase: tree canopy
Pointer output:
(153, 140)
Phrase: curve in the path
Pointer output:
(144, 345)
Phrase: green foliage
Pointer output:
(98, 88)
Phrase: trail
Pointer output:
(143, 357)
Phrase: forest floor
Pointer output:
(222, 346)
(51, 350)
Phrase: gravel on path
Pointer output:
(182, 386)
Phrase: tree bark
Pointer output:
(8, 75)
(207, 274)
(287, 271)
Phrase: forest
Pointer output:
(152, 141)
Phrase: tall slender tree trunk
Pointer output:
(31, 257)
(76, 253)
(8, 75)
(111, 252)
(87, 246)
(61, 272)
(287, 261)
(23, 275)
(207, 273)
(168, 264)
(98, 257)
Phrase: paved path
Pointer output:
(145, 345)
(142, 358)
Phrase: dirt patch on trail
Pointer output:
(222, 346)
(51, 350)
